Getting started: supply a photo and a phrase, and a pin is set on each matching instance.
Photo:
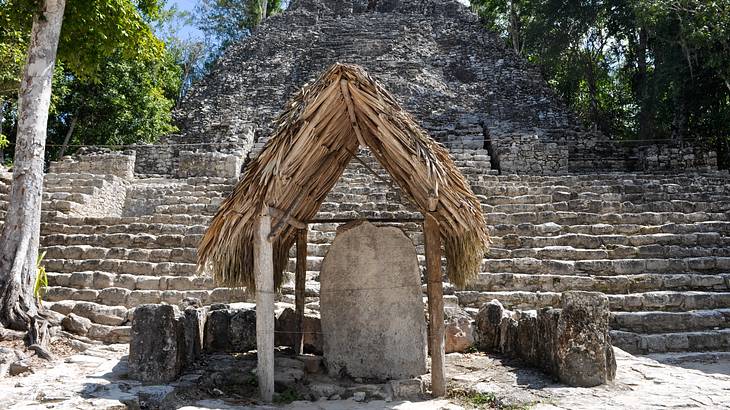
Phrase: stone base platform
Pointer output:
(97, 379)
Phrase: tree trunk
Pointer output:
(2, 121)
(20, 235)
(67, 138)
(515, 28)
(264, 9)
(642, 87)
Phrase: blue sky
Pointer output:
(188, 5)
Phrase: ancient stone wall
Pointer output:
(457, 79)
(209, 164)
(158, 159)
(97, 162)
(675, 157)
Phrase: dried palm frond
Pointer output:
(320, 129)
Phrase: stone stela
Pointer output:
(372, 310)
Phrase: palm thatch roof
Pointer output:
(321, 128)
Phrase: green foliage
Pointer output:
(190, 53)
(287, 396)
(114, 78)
(4, 143)
(227, 21)
(649, 69)
(41, 278)
(473, 399)
(133, 104)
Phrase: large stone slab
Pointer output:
(157, 349)
(372, 312)
(230, 330)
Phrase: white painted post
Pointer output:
(263, 266)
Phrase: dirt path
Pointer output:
(96, 379)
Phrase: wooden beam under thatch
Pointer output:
(317, 134)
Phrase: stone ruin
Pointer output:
(567, 209)
(372, 311)
(571, 343)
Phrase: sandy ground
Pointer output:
(97, 379)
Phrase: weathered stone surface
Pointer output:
(372, 312)
(194, 333)
(157, 349)
(571, 343)
(76, 324)
(459, 330)
(19, 367)
(230, 330)
(286, 325)
(7, 358)
(487, 325)
(104, 315)
(583, 352)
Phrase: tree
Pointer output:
(188, 51)
(20, 234)
(637, 69)
(92, 30)
(227, 21)
(133, 104)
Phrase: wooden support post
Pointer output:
(434, 288)
(263, 267)
(299, 286)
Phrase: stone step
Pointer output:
(97, 313)
(145, 219)
(187, 209)
(699, 341)
(120, 266)
(669, 301)
(562, 252)
(615, 284)
(530, 230)
(607, 267)
(52, 228)
(84, 252)
(102, 280)
(130, 241)
(588, 218)
(487, 188)
(602, 241)
(607, 207)
(670, 322)
(115, 296)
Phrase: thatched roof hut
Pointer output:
(318, 133)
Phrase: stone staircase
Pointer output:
(658, 245)
(101, 268)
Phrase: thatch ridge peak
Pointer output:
(316, 136)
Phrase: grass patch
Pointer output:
(476, 400)
(287, 396)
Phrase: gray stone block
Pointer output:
(157, 349)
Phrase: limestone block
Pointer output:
(194, 333)
(230, 330)
(584, 353)
(459, 330)
(157, 349)
(371, 305)
(76, 324)
(141, 297)
(101, 314)
(110, 334)
(286, 326)
(571, 343)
